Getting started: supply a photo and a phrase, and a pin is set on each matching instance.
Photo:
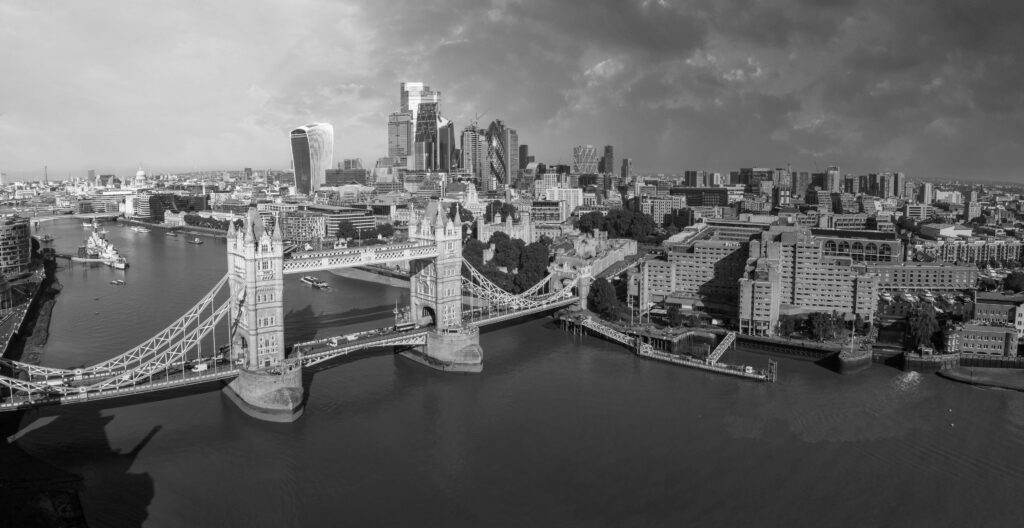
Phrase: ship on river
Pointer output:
(98, 249)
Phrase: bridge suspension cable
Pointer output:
(136, 355)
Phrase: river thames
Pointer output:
(558, 430)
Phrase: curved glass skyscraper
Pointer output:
(312, 155)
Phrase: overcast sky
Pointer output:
(930, 88)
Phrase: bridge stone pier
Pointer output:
(268, 386)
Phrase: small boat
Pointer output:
(171, 233)
(46, 238)
(117, 282)
(315, 282)
(195, 240)
(118, 263)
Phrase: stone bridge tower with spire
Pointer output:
(436, 295)
(269, 385)
(436, 285)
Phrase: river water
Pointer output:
(558, 430)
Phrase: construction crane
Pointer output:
(477, 118)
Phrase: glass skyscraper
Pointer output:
(312, 155)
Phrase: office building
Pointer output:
(15, 245)
(502, 154)
(473, 149)
(608, 160)
(400, 136)
(584, 159)
(626, 172)
(703, 196)
(524, 155)
(312, 155)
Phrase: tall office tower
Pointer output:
(502, 155)
(783, 180)
(801, 182)
(474, 152)
(627, 169)
(435, 139)
(400, 135)
(716, 179)
(908, 190)
(584, 159)
(851, 184)
(899, 181)
(833, 179)
(886, 187)
(609, 159)
(524, 156)
(411, 96)
(312, 155)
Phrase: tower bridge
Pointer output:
(235, 332)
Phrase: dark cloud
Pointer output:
(932, 88)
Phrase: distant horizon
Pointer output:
(84, 174)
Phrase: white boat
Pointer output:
(139, 229)
(195, 240)
(315, 282)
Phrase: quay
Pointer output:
(584, 323)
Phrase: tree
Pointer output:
(386, 230)
(533, 266)
(473, 251)
(675, 315)
(602, 298)
(787, 325)
(346, 230)
(921, 327)
(1014, 281)
(820, 325)
(507, 252)
(587, 223)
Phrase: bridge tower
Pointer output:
(269, 385)
(436, 295)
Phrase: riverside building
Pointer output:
(15, 245)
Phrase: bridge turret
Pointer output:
(269, 386)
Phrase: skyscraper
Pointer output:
(833, 179)
(609, 159)
(474, 152)
(926, 196)
(400, 135)
(412, 95)
(312, 155)
(627, 169)
(524, 155)
(584, 159)
(503, 155)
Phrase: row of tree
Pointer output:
(618, 223)
(209, 223)
(820, 326)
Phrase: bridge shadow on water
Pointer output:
(60, 469)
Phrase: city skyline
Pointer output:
(926, 91)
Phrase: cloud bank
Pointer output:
(933, 89)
